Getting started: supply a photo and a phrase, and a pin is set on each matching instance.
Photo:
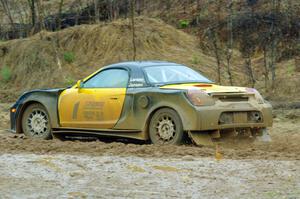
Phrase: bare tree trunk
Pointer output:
(110, 3)
(126, 5)
(77, 16)
(184, 6)
(275, 9)
(117, 10)
(273, 58)
(97, 12)
(216, 51)
(198, 5)
(248, 65)
(40, 16)
(114, 8)
(91, 20)
(213, 39)
(228, 59)
(133, 28)
(23, 9)
(230, 42)
(266, 72)
(33, 14)
(61, 3)
(22, 28)
(168, 4)
(20, 14)
(6, 9)
(140, 4)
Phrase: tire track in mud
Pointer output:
(275, 150)
(285, 145)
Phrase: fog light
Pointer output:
(13, 110)
(255, 116)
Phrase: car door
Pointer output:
(97, 104)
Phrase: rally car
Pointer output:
(149, 100)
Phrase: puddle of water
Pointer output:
(135, 168)
(47, 161)
(166, 168)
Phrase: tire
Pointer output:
(36, 122)
(166, 127)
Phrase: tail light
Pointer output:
(258, 96)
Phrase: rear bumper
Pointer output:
(208, 117)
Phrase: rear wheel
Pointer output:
(36, 122)
(166, 127)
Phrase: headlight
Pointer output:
(258, 96)
(199, 98)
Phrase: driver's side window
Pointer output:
(110, 78)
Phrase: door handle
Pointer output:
(114, 98)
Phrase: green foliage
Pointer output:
(291, 69)
(6, 73)
(69, 57)
(195, 60)
(69, 81)
(184, 23)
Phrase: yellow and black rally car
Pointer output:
(149, 100)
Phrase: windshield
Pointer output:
(173, 74)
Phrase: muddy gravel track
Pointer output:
(284, 146)
(127, 169)
(81, 176)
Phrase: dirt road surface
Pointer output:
(102, 169)
(70, 176)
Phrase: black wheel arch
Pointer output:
(48, 99)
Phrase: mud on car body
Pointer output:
(150, 100)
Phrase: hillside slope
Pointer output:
(57, 59)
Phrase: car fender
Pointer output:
(48, 98)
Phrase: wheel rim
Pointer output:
(37, 123)
(165, 128)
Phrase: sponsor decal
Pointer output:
(136, 82)
(93, 110)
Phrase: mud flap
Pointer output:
(201, 139)
(265, 136)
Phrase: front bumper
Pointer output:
(14, 117)
(208, 117)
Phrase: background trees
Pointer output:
(228, 30)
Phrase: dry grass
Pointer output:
(37, 62)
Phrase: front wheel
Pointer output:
(36, 122)
(166, 127)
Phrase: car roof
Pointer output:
(142, 64)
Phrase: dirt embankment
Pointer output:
(59, 59)
(285, 145)
(56, 59)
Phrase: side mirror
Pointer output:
(79, 84)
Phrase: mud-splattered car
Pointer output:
(151, 100)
